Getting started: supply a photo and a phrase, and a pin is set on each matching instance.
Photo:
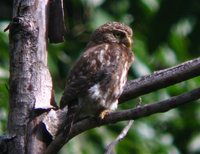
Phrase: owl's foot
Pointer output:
(104, 113)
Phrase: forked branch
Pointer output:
(138, 87)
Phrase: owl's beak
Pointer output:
(127, 41)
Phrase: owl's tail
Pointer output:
(71, 116)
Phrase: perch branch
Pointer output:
(139, 112)
(131, 114)
(161, 79)
(141, 86)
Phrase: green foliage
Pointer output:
(166, 33)
(4, 73)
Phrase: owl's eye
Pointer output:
(119, 35)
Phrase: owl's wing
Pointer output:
(86, 72)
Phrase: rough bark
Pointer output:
(30, 81)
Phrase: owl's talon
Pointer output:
(104, 113)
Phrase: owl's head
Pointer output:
(113, 32)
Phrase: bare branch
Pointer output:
(161, 79)
(144, 85)
(63, 132)
(139, 112)
(56, 22)
(131, 114)
(121, 136)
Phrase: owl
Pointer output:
(97, 79)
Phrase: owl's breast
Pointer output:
(114, 61)
(105, 94)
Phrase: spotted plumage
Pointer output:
(98, 77)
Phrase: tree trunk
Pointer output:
(30, 81)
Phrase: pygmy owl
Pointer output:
(97, 79)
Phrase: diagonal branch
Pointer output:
(121, 136)
(141, 86)
(131, 114)
(161, 79)
(139, 112)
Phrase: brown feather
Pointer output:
(97, 79)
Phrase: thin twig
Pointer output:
(120, 137)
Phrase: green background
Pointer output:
(166, 33)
